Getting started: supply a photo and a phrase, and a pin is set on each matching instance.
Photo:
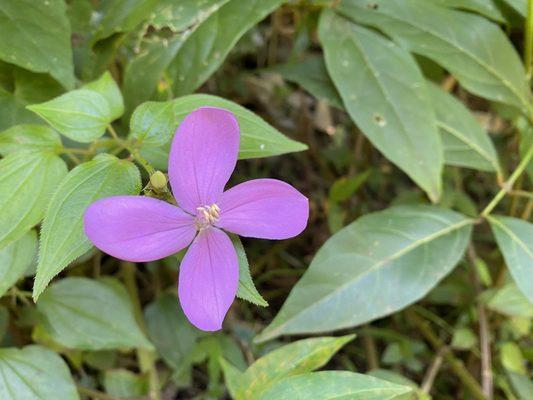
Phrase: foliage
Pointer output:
(407, 123)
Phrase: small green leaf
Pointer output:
(515, 240)
(510, 301)
(27, 180)
(15, 259)
(62, 236)
(392, 110)
(334, 385)
(171, 333)
(465, 142)
(108, 88)
(37, 37)
(463, 339)
(82, 313)
(83, 114)
(153, 123)
(343, 188)
(124, 383)
(293, 359)
(34, 372)
(207, 47)
(247, 290)
(29, 137)
(472, 48)
(407, 247)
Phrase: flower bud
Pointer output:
(158, 180)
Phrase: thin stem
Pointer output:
(455, 364)
(528, 41)
(76, 151)
(371, 352)
(484, 331)
(508, 186)
(431, 374)
(146, 357)
(135, 153)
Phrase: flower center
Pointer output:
(207, 216)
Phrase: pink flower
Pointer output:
(202, 158)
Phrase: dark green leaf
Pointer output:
(62, 236)
(472, 48)
(39, 37)
(123, 383)
(407, 247)
(82, 313)
(13, 111)
(34, 372)
(392, 109)
(27, 180)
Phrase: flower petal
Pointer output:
(203, 156)
(209, 275)
(138, 229)
(264, 208)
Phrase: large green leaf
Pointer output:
(312, 75)
(391, 108)
(488, 8)
(515, 240)
(15, 260)
(375, 266)
(258, 138)
(334, 385)
(84, 114)
(520, 6)
(27, 180)
(170, 331)
(145, 69)
(293, 359)
(465, 142)
(472, 48)
(36, 36)
(62, 236)
(29, 137)
(82, 313)
(34, 372)
(207, 47)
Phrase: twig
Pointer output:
(484, 332)
(371, 352)
(431, 373)
(455, 364)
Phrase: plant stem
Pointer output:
(455, 364)
(135, 153)
(484, 331)
(431, 374)
(146, 357)
(508, 185)
(528, 41)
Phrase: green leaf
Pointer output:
(170, 331)
(39, 37)
(29, 137)
(108, 88)
(13, 111)
(156, 53)
(82, 313)
(258, 138)
(153, 123)
(62, 236)
(122, 16)
(207, 47)
(232, 377)
(488, 8)
(510, 301)
(344, 188)
(83, 115)
(246, 290)
(378, 264)
(293, 359)
(334, 385)
(520, 6)
(27, 180)
(463, 339)
(392, 110)
(515, 240)
(34, 372)
(472, 48)
(123, 383)
(312, 75)
(15, 259)
(465, 142)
